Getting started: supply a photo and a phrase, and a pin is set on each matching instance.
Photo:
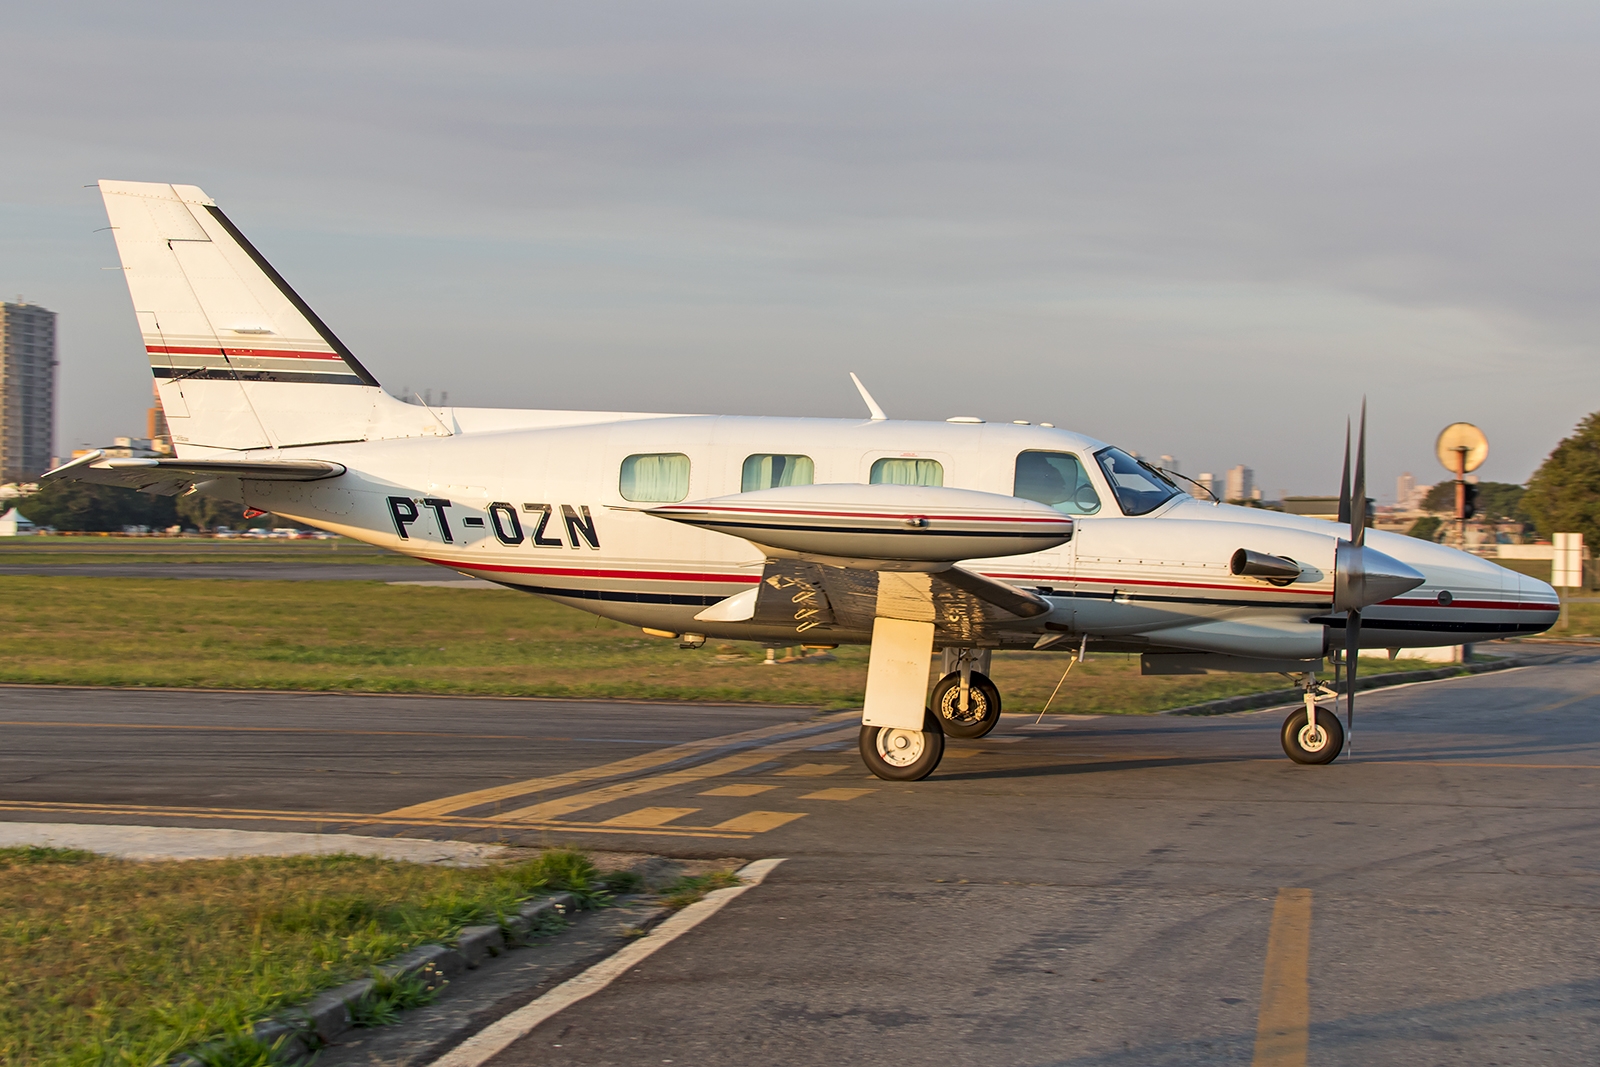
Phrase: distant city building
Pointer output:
(1170, 463)
(156, 424)
(123, 448)
(1405, 487)
(1241, 484)
(27, 391)
(1207, 482)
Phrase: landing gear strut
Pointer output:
(1313, 734)
(966, 702)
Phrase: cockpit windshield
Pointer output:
(1139, 488)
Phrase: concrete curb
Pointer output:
(1228, 705)
(308, 1027)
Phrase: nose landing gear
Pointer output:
(1313, 734)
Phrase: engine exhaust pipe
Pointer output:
(1276, 570)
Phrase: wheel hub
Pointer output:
(900, 748)
(1313, 738)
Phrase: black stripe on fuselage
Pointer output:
(1421, 626)
(226, 374)
(688, 600)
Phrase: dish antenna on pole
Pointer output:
(1461, 447)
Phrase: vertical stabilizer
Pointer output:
(240, 360)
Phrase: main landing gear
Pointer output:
(1313, 734)
(965, 704)
(965, 701)
(903, 755)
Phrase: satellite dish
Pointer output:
(1459, 438)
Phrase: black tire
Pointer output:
(983, 705)
(1295, 737)
(903, 755)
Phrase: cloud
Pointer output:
(1197, 229)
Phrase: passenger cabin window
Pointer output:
(1057, 479)
(773, 471)
(658, 478)
(907, 472)
(1140, 490)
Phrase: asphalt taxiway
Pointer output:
(1145, 890)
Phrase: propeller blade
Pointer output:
(1352, 653)
(1344, 481)
(1358, 491)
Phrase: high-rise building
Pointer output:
(1241, 484)
(1405, 487)
(27, 390)
(1207, 482)
(156, 424)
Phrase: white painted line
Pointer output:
(497, 1036)
(205, 843)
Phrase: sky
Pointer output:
(1205, 230)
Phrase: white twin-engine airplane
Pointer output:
(908, 536)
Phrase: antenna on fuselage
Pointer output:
(872, 405)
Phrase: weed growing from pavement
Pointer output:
(693, 887)
(108, 961)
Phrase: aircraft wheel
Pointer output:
(983, 705)
(1306, 745)
(903, 755)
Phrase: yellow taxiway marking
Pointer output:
(811, 770)
(323, 820)
(837, 794)
(554, 809)
(737, 790)
(1562, 703)
(961, 753)
(759, 822)
(649, 817)
(1282, 1028)
(643, 762)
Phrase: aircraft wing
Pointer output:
(841, 556)
(169, 477)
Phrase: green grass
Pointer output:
(372, 637)
(58, 551)
(108, 962)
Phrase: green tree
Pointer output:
(87, 507)
(1564, 494)
(1427, 527)
(207, 513)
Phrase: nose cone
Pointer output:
(1364, 576)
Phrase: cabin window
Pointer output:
(1057, 479)
(896, 471)
(773, 471)
(656, 478)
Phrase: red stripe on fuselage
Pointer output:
(577, 572)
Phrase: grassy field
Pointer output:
(108, 962)
(372, 637)
(90, 548)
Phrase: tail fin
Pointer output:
(240, 360)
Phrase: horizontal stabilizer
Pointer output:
(168, 477)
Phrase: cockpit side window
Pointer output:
(1140, 490)
(1057, 479)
